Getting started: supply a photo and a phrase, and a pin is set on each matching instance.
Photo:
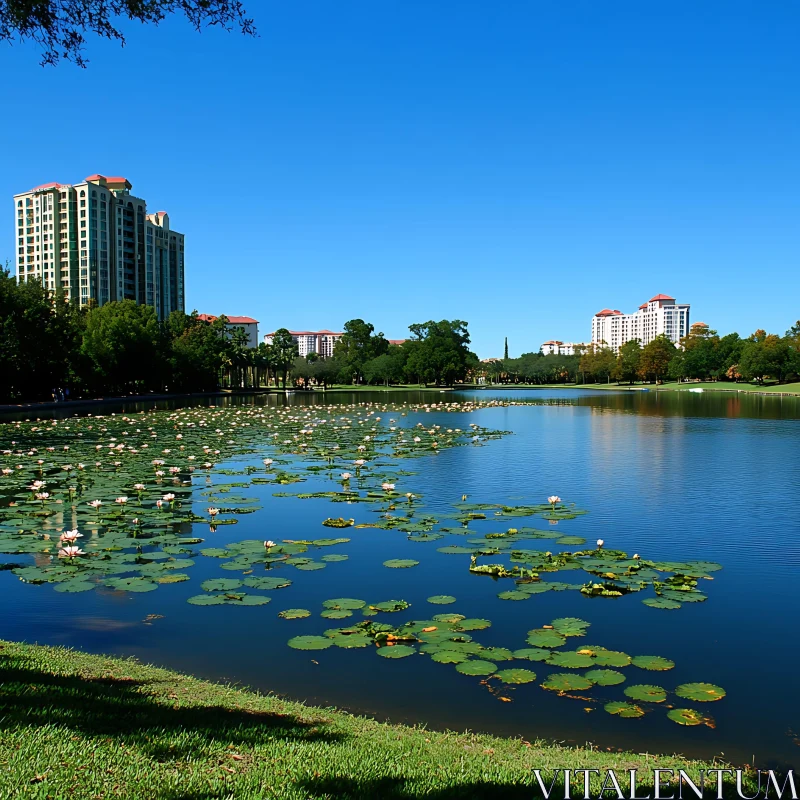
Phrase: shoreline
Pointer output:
(92, 722)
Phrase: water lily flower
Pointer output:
(95, 504)
(636, 556)
(70, 536)
(169, 497)
(70, 552)
(387, 487)
(121, 500)
(267, 462)
(600, 542)
(42, 496)
(212, 512)
(553, 499)
(269, 543)
(359, 462)
(159, 503)
(139, 487)
(346, 476)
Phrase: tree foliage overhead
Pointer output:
(60, 27)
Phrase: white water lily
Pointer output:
(600, 542)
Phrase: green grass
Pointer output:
(84, 726)
(727, 386)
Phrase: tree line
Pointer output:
(48, 346)
(702, 355)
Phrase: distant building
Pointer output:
(246, 324)
(397, 342)
(319, 342)
(660, 314)
(555, 347)
(96, 242)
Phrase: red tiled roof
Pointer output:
(552, 341)
(114, 179)
(232, 320)
(660, 297)
(397, 341)
(699, 324)
(643, 305)
(49, 186)
(607, 312)
(310, 333)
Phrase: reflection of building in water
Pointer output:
(659, 315)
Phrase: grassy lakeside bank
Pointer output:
(707, 386)
(86, 726)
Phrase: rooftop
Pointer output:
(232, 320)
(607, 312)
(660, 297)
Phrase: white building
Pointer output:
(319, 342)
(96, 242)
(555, 347)
(660, 314)
(246, 324)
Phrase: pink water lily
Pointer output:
(70, 552)
(212, 512)
(70, 536)
(121, 500)
(387, 487)
(553, 499)
(346, 476)
(95, 504)
(269, 543)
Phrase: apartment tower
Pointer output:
(96, 242)
(659, 315)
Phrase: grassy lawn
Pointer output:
(83, 726)
(720, 386)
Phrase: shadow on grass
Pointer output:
(122, 706)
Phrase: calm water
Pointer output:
(671, 476)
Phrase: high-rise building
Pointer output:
(557, 348)
(660, 314)
(319, 342)
(96, 242)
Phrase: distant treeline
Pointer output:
(702, 355)
(48, 346)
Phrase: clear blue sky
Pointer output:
(519, 165)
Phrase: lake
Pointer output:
(670, 476)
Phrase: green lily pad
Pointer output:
(661, 602)
(396, 651)
(688, 716)
(220, 585)
(700, 692)
(268, 582)
(476, 667)
(570, 626)
(605, 677)
(400, 563)
(624, 710)
(132, 585)
(310, 566)
(473, 624)
(655, 663)
(352, 641)
(448, 618)
(294, 613)
(310, 643)
(515, 675)
(646, 692)
(75, 585)
(388, 606)
(539, 637)
(442, 599)
(344, 604)
(532, 654)
(570, 660)
(513, 595)
(334, 557)
(336, 613)
(566, 682)
(449, 656)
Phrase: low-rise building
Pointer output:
(246, 324)
(659, 315)
(558, 348)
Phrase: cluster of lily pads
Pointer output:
(447, 639)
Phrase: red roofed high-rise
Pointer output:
(659, 315)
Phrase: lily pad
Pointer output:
(688, 716)
(295, 613)
(532, 654)
(220, 585)
(310, 643)
(566, 682)
(400, 563)
(539, 637)
(605, 677)
(570, 660)
(344, 603)
(513, 595)
(624, 710)
(570, 626)
(442, 599)
(396, 651)
(661, 602)
(515, 675)
(449, 656)
(476, 667)
(700, 692)
(655, 663)
(473, 624)
(267, 582)
(646, 692)
(336, 613)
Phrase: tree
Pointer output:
(197, 349)
(358, 345)
(598, 361)
(121, 340)
(630, 355)
(505, 350)
(283, 351)
(655, 358)
(441, 355)
(765, 355)
(387, 368)
(59, 27)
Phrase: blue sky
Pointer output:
(519, 165)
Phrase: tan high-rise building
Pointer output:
(96, 242)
